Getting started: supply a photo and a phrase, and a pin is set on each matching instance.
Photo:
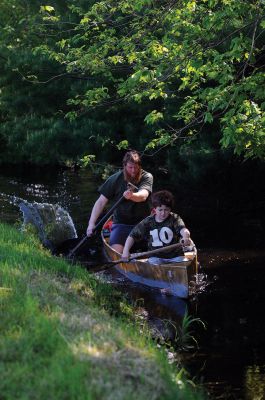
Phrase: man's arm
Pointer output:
(145, 188)
(96, 211)
(137, 197)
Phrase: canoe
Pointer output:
(178, 277)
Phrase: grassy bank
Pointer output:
(64, 335)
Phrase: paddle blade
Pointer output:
(89, 248)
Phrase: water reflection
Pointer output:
(231, 306)
(255, 382)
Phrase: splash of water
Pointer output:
(53, 222)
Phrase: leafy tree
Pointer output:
(34, 89)
(188, 63)
(147, 74)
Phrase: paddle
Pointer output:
(144, 254)
(101, 222)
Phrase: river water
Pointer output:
(229, 361)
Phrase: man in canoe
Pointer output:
(161, 229)
(135, 205)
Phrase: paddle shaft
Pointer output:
(101, 222)
(147, 253)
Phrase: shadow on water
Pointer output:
(230, 300)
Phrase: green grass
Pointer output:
(65, 335)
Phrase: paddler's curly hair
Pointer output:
(163, 197)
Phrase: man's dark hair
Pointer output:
(132, 156)
(163, 197)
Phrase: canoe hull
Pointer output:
(179, 277)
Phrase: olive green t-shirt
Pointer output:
(128, 212)
(160, 234)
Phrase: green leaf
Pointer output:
(124, 144)
(208, 117)
(47, 9)
(153, 117)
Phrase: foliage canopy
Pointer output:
(172, 70)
